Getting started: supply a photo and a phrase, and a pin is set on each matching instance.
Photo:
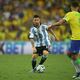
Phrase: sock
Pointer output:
(33, 63)
(76, 65)
(44, 57)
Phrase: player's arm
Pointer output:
(51, 32)
(33, 45)
(60, 22)
(32, 42)
(66, 18)
(31, 37)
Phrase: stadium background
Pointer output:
(16, 19)
(15, 22)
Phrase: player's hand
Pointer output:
(34, 49)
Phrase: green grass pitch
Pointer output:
(17, 67)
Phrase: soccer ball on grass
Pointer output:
(40, 68)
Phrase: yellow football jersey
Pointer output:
(73, 18)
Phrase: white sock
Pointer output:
(76, 66)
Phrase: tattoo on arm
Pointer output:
(32, 42)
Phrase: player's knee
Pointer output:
(69, 54)
(74, 57)
(34, 56)
(45, 52)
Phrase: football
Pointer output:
(40, 68)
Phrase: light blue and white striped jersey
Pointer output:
(40, 35)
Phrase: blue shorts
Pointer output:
(74, 46)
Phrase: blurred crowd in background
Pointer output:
(16, 17)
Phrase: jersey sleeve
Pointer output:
(67, 17)
(46, 27)
(31, 33)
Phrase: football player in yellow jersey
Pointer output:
(73, 18)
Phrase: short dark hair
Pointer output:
(74, 4)
(36, 16)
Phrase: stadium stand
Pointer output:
(16, 17)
